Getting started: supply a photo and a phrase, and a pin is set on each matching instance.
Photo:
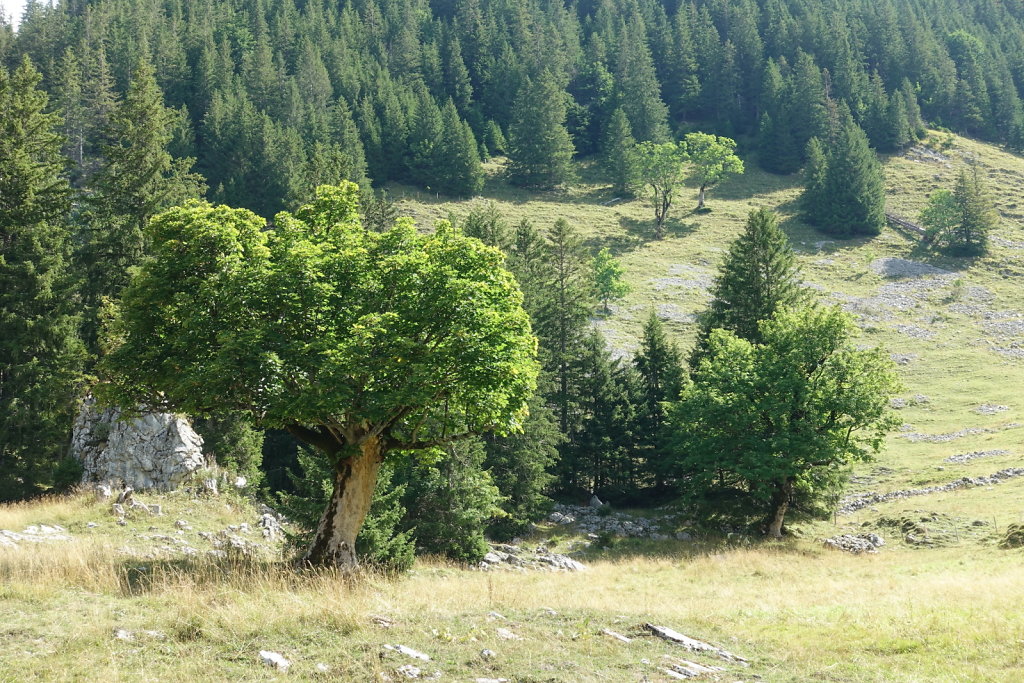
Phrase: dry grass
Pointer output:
(796, 611)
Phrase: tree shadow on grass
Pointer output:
(643, 230)
(141, 576)
(619, 549)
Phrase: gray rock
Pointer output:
(409, 671)
(862, 543)
(595, 502)
(210, 486)
(274, 660)
(858, 501)
(408, 652)
(155, 450)
(270, 526)
(973, 455)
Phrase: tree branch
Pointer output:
(317, 438)
(432, 443)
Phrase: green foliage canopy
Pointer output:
(762, 422)
(324, 327)
(712, 158)
(661, 167)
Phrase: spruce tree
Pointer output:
(813, 198)
(40, 353)
(425, 133)
(976, 216)
(853, 192)
(779, 151)
(600, 443)
(637, 90)
(487, 225)
(565, 294)
(540, 150)
(758, 277)
(520, 465)
(659, 365)
(457, 160)
(137, 179)
(620, 158)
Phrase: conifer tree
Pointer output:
(494, 139)
(619, 153)
(425, 133)
(137, 179)
(758, 277)
(40, 353)
(660, 368)
(852, 200)
(779, 151)
(813, 198)
(565, 299)
(527, 259)
(457, 161)
(976, 216)
(601, 441)
(487, 225)
(540, 150)
(520, 465)
(637, 89)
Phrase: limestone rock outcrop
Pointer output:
(152, 451)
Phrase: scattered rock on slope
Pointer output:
(37, 533)
(861, 543)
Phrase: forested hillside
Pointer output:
(278, 96)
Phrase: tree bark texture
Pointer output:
(334, 544)
(780, 503)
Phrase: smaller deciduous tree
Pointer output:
(608, 278)
(960, 221)
(712, 159)
(764, 424)
(661, 168)
(939, 215)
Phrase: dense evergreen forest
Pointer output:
(146, 103)
(276, 96)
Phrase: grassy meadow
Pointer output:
(947, 607)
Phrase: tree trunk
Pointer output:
(355, 477)
(780, 503)
(700, 197)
